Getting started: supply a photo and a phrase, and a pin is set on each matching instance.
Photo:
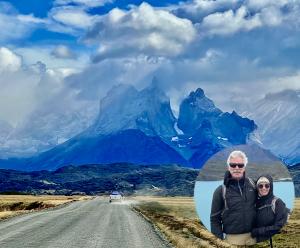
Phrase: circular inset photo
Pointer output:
(244, 194)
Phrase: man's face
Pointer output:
(236, 172)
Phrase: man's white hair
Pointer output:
(237, 154)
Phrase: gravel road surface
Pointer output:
(90, 224)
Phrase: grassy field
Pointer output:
(12, 205)
(177, 219)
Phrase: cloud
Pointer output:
(24, 86)
(196, 10)
(252, 15)
(14, 26)
(30, 19)
(67, 16)
(45, 54)
(137, 44)
(141, 30)
(64, 52)
(71, 17)
(86, 3)
(93, 82)
(230, 22)
(216, 71)
(9, 61)
(260, 4)
(290, 81)
(227, 17)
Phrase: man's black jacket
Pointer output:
(239, 215)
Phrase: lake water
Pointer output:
(203, 193)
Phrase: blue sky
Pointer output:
(237, 51)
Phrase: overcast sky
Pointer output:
(235, 50)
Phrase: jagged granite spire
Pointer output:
(194, 109)
(124, 107)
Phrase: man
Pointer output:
(233, 204)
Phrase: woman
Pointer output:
(271, 213)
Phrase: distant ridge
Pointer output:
(167, 180)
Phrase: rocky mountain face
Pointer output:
(194, 109)
(131, 145)
(197, 111)
(206, 129)
(124, 108)
(278, 118)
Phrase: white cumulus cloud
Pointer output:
(14, 26)
(26, 86)
(64, 52)
(197, 9)
(74, 17)
(9, 61)
(260, 4)
(141, 30)
(227, 17)
(229, 22)
(87, 3)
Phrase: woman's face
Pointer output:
(263, 189)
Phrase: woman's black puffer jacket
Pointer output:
(269, 222)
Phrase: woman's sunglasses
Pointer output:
(260, 186)
(234, 165)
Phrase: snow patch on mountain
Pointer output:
(177, 129)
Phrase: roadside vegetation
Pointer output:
(12, 205)
(177, 220)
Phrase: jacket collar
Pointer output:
(229, 180)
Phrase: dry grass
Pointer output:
(177, 219)
(182, 207)
(12, 205)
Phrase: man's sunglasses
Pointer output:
(234, 165)
(260, 186)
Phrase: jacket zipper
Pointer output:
(240, 188)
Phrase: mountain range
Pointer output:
(139, 127)
(277, 116)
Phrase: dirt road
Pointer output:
(90, 224)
